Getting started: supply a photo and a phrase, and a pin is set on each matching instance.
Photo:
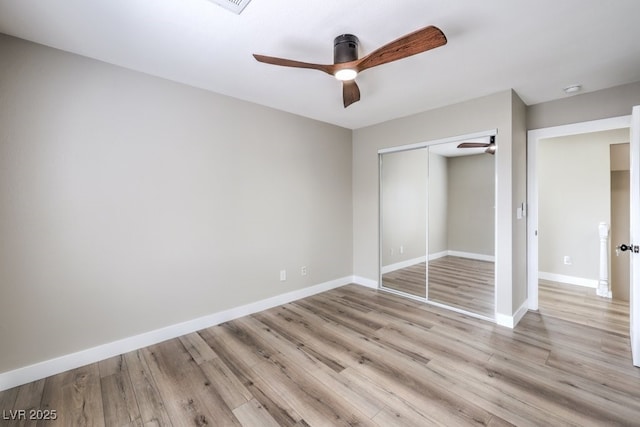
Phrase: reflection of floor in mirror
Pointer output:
(409, 280)
(458, 282)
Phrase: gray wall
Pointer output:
(613, 102)
(461, 204)
(471, 204)
(129, 203)
(404, 205)
(438, 201)
(574, 196)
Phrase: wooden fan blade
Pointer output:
(329, 69)
(417, 42)
(473, 145)
(350, 92)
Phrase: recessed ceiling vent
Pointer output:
(235, 6)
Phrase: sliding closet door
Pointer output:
(437, 223)
(461, 224)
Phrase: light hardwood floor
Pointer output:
(358, 356)
(457, 282)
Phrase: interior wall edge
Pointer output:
(512, 321)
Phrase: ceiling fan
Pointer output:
(346, 64)
(490, 147)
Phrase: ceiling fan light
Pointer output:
(345, 74)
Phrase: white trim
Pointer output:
(64, 363)
(438, 255)
(470, 255)
(491, 132)
(634, 236)
(533, 137)
(504, 320)
(512, 321)
(402, 264)
(460, 254)
(571, 280)
(363, 281)
(520, 312)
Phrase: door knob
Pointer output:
(623, 248)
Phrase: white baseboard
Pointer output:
(471, 255)
(64, 363)
(402, 264)
(524, 308)
(512, 321)
(363, 281)
(571, 280)
(438, 255)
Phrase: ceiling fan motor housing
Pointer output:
(345, 48)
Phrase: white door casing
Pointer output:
(634, 226)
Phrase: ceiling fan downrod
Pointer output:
(345, 48)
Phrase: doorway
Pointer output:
(534, 139)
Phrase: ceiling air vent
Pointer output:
(235, 6)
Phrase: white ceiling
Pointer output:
(535, 47)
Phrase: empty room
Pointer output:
(270, 213)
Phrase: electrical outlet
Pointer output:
(303, 270)
(283, 275)
(567, 260)
(401, 249)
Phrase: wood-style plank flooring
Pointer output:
(457, 282)
(356, 356)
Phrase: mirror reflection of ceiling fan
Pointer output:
(490, 147)
(346, 64)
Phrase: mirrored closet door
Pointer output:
(437, 224)
(403, 219)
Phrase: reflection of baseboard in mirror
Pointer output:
(460, 254)
(402, 264)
